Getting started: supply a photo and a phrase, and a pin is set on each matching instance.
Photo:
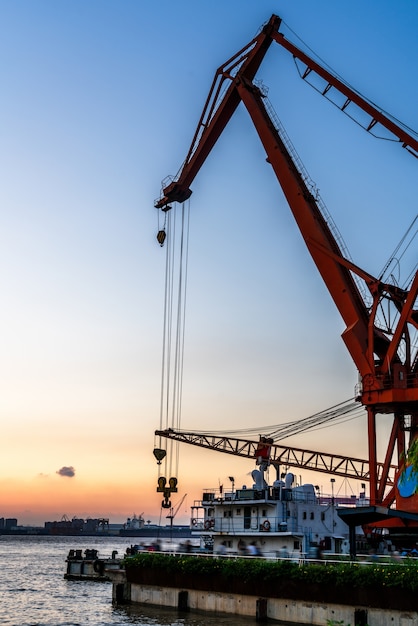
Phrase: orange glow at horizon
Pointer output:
(114, 493)
(117, 489)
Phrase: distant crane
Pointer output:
(174, 511)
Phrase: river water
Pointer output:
(33, 591)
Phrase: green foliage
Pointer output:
(398, 575)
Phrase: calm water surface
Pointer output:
(33, 591)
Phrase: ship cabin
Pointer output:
(286, 520)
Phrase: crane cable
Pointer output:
(399, 252)
(177, 225)
(337, 414)
(407, 128)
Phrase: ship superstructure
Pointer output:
(284, 519)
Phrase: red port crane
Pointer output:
(383, 354)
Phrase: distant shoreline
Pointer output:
(180, 532)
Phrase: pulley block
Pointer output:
(159, 454)
(161, 235)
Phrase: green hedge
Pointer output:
(395, 575)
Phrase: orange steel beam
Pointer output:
(220, 106)
(218, 110)
(397, 436)
(313, 227)
(351, 95)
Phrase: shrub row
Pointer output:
(349, 575)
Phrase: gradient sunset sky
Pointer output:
(99, 103)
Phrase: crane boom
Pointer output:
(175, 510)
(218, 110)
(278, 455)
(352, 97)
(312, 224)
(384, 356)
(221, 104)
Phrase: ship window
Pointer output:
(264, 513)
(312, 515)
(227, 513)
(296, 545)
(322, 516)
(238, 512)
(304, 515)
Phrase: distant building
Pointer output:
(77, 526)
(9, 523)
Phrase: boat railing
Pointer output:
(233, 524)
(303, 558)
(274, 494)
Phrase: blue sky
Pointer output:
(99, 103)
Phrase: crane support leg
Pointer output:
(397, 438)
(371, 427)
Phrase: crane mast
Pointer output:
(384, 357)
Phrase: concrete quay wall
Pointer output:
(263, 609)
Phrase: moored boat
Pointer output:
(90, 566)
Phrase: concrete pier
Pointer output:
(263, 609)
